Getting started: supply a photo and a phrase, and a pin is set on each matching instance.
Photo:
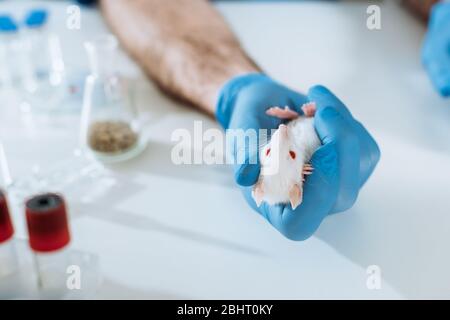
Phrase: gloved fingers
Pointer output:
(438, 68)
(319, 195)
(369, 150)
(332, 128)
(330, 124)
(253, 103)
(325, 98)
(369, 153)
(247, 174)
(440, 13)
(436, 49)
(296, 101)
(245, 151)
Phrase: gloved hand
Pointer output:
(341, 165)
(436, 48)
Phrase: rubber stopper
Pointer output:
(36, 18)
(47, 222)
(7, 24)
(6, 227)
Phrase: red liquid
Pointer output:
(47, 223)
(6, 227)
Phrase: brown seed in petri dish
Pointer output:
(111, 136)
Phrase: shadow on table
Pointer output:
(409, 245)
(145, 223)
(156, 160)
(124, 183)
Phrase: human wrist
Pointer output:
(217, 81)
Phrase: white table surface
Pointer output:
(166, 231)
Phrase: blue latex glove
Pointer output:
(436, 48)
(342, 165)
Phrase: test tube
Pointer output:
(8, 258)
(48, 238)
(35, 22)
(45, 49)
(9, 33)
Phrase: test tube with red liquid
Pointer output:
(8, 258)
(48, 238)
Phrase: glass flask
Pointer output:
(110, 129)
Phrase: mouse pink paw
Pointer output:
(307, 170)
(281, 113)
(309, 109)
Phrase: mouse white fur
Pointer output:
(285, 159)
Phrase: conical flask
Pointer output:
(110, 127)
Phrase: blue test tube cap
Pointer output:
(36, 18)
(7, 24)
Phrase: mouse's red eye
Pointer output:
(292, 154)
(267, 151)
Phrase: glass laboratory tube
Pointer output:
(110, 128)
(48, 238)
(36, 34)
(9, 50)
(8, 258)
(43, 71)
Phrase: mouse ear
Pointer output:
(258, 193)
(295, 196)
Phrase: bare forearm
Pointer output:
(184, 45)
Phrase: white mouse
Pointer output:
(285, 159)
